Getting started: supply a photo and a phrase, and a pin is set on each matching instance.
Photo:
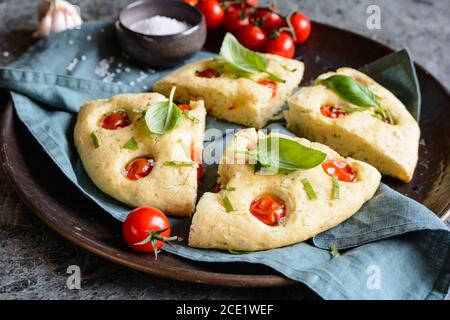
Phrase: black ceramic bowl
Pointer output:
(161, 50)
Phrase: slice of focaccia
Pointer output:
(257, 212)
(249, 101)
(137, 167)
(315, 112)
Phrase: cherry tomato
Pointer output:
(240, 4)
(271, 85)
(302, 27)
(341, 169)
(268, 210)
(184, 106)
(208, 73)
(217, 188)
(235, 20)
(331, 112)
(269, 20)
(115, 120)
(139, 168)
(213, 12)
(146, 230)
(283, 45)
(252, 37)
(191, 2)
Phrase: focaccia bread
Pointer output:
(108, 160)
(391, 148)
(213, 226)
(250, 102)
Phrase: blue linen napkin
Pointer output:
(393, 248)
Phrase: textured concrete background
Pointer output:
(33, 259)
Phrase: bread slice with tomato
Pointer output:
(259, 209)
(249, 100)
(318, 113)
(131, 164)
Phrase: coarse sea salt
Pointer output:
(159, 26)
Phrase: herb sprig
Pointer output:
(163, 116)
(357, 94)
(275, 154)
(243, 59)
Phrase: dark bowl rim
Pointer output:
(186, 32)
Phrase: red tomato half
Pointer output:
(302, 27)
(196, 156)
(331, 112)
(184, 106)
(213, 12)
(235, 20)
(115, 120)
(145, 229)
(139, 168)
(283, 45)
(268, 210)
(251, 37)
(271, 85)
(208, 73)
(341, 169)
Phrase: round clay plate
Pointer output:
(56, 201)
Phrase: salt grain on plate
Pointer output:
(72, 65)
(88, 37)
(159, 26)
(6, 54)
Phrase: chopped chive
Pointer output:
(187, 115)
(334, 251)
(227, 187)
(131, 144)
(309, 189)
(226, 201)
(335, 194)
(95, 140)
(236, 251)
(179, 163)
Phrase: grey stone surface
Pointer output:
(34, 260)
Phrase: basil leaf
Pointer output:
(350, 90)
(226, 201)
(163, 116)
(176, 163)
(282, 155)
(335, 193)
(243, 59)
(131, 144)
(309, 189)
(95, 140)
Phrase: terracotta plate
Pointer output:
(56, 201)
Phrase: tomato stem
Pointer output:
(155, 236)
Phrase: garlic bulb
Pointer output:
(57, 15)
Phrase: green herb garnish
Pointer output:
(188, 115)
(176, 163)
(95, 140)
(236, 251)
(131, 144)
(163, 116)
(334, 251)
(226, 201)
(309, 189)
(243, 59)
(281, 155)
(227, 187)
(357, 94)
(335, 193)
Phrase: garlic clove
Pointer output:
(57, 15)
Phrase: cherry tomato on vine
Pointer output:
(268, 20)
(251, 37)
(146, 230)
(235, 20)
(213, 12)
(241, 3)
(283, 45)
(191, 2)
(302, 26)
